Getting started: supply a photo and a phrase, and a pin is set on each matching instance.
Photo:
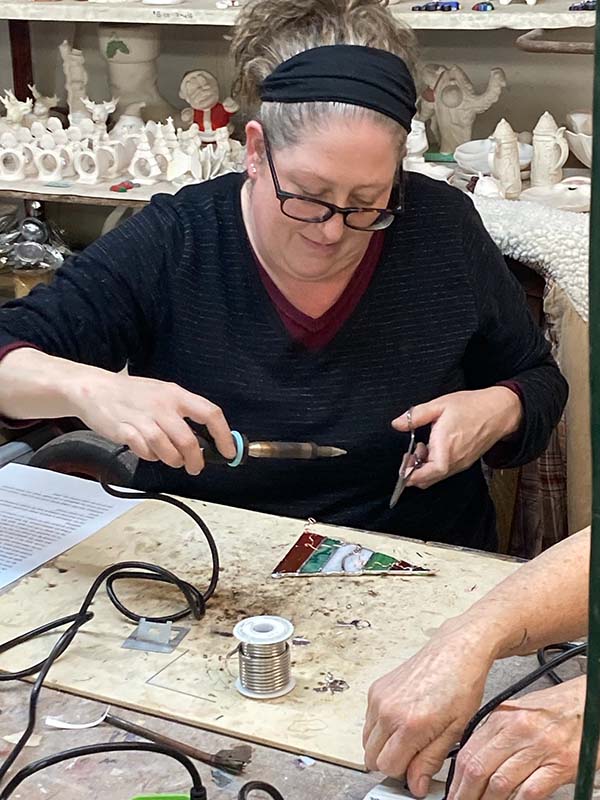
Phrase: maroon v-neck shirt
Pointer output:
(315, 333)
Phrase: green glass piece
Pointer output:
(433, 156)
(379, 562)
(320, 557)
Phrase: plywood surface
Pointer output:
(195, 683)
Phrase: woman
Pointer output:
(318, 297)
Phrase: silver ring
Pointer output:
(409, 418)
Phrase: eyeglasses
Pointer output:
(306, 209)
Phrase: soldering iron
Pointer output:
(246, 449)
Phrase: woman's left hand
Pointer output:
(464, 426)
(526, 749)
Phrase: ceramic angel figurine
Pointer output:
(201, 91)
(505, 160)
(550, 151)
(451, 104)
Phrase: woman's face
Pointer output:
(350, 163)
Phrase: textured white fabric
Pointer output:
(552, 242)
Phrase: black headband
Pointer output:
(345, 73)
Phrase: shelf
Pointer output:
(83, 194)
(548, 14)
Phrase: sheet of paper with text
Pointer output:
(44, 513)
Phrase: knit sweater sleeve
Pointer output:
(509, 346)
(104, 306)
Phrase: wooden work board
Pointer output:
(195, 683)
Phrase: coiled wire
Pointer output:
(265, 668)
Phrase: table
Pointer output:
(122, 777)
(128, 776)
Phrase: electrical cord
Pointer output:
(504, 695)
(561, 647)
(126, 570)
(197, 792)
(255, 786)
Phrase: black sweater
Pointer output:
(174, 291)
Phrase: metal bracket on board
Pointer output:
(155, 637)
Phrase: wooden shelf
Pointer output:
(547, 14)
(82, 194)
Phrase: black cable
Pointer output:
(58, 649)
(252, 786)
(126, 570)
(561, 647)
(197, 792)
(507, 693)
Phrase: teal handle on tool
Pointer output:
(211, 452)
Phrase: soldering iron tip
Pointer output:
(331, 452)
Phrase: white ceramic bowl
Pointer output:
(580, 122)
(474, 156)
(580, 145)
(572, 194)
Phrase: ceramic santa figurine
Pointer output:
(201, 91)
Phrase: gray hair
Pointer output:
(269, 32)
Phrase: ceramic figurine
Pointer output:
(550, 151)
(16, 110)
(42, 105)
(91, 165)
(131, 53)
(100, 112)
(234, 153)
(416, 147)
(200, 89)
(505, 160)
(130, 122)
(486, 186)
(161, 150)
(170, 134)
(13, 162)
(144, 168)
(416, 141)
(76, 79)
(451, 104)
(48, 165)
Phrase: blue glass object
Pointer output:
(484, 6)
(439, 5)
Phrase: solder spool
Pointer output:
(264, 657)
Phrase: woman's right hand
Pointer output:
(149, 417)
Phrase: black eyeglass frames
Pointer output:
(307, 209)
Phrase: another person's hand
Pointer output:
(149, 416)
(526, 749)
(417, 712)
(464, 426)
